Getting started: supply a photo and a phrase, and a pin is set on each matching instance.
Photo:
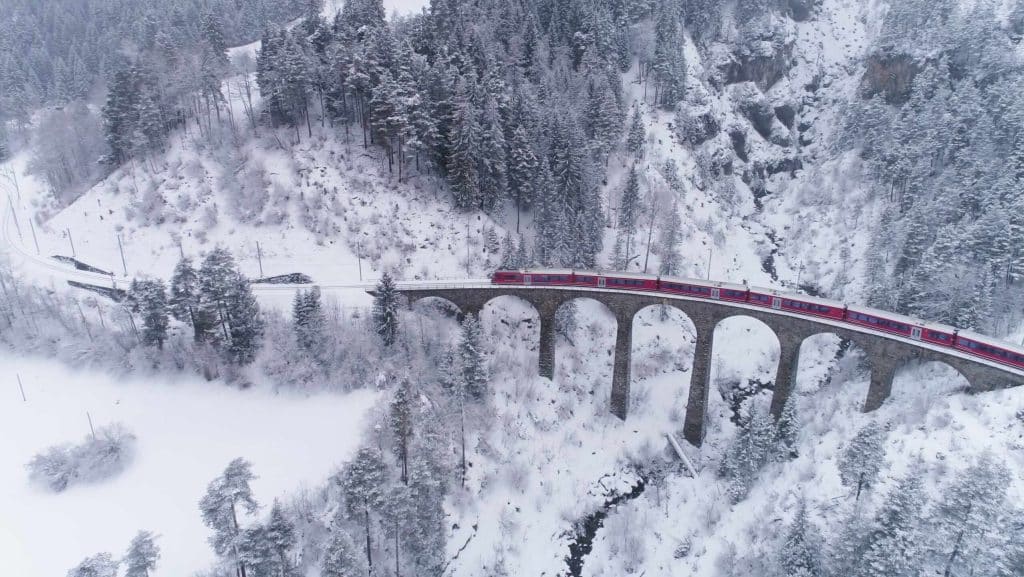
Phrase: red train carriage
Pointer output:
(633, 282)
(901, 325)
(989, 348)
(797, 303)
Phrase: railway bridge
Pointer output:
(885, 352)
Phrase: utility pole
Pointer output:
(359, 258)
(91, 429)
(120, 247)
(21, 388)
(72, 242)
(259, 256)
(710, 251)
(14, 215)
(34, 239)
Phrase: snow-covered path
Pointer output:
(187, 431)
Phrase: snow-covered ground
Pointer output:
(187, 430)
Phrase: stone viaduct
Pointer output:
(886, 354)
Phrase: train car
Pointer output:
(797, 303)
(628, 281)
(507, 277)
(912, 328)
(704, 289)
(989, 348)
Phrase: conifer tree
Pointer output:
(800, 553)
(893, 546)
(474, 368)
(220, 506)
(637, 135)
(629, 211)
(142, 555)
(308, 320)
(863, 457)
(280, 534)
(100, 565)
(148, 298)
(362, 484)
(184, 302)
(788, 429)
(522, 169)
(668, 244)
(340, 558)
(463, 146)
(400, 422)
(752, 449)
(385, 310)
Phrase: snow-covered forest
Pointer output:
(230, 177)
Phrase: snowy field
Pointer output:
(187, 430)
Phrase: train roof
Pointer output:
(902, 318)
(992, 341)
(798, 296)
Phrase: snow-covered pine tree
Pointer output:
(492, 163)
(400, 422)
(800, 554)
(471, 356)
(184, 302)
(245, 322)
(99, 565)
(893, 546)
(280, 533)
(788, 429)
(508, 253)
(363, 482)
(385, 310)
(340, 558)
(862, 459)
(522, 170)
(629, 212)
(142, 555)
(308, 320)
(148, 298)
(220, 510)
(969, 528)
(670, 172)
(463, 148)
(752, 449)
(637, 135)
(668, 243)
(256, 553)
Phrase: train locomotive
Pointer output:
(793, 303)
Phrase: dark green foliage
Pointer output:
(142, 555)
(148, 299)
(474, 366)
(385, 310)
(863, 458)
(308, 320)
(226, 498)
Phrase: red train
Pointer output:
(908, 327)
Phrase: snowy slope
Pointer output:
(187, 430)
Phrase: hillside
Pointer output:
(811, 145)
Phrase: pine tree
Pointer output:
(970, 528)
(863, 457)
(464, 146)
(148, 297)
(100, 565)
(226, 298)
(246, 324)
(385, 310)
(256, 553)
(400, 422)
(184, 303)
(308, 320)
(363, 483)
(474, 368)
(800, 552)
(629, 210)
(752, 449)
(637, 135)
(522, 170)
(280, 533)
(219, 507)
(668, 244)
(142, 555)
(340, 558)
(893, 546)
(788, 429)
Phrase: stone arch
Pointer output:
(437, 303)
(609, 326)
(727, 341)
(651, 323)
(939, 377)
(519, 323)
